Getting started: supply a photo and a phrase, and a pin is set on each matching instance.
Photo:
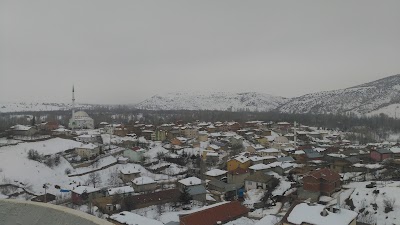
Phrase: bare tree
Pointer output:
(94, 178)
(114, 180)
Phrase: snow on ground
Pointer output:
(259, 213)
(166, 213)
(363, 198)
(99, 164)
(253, 196)
(242, 221)
(5, 141)
(16, 166)
(269, 220)
(47, 147)
(283, 186)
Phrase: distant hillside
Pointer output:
(370, 99)
(251, 101)
(25, 107)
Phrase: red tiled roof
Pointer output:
(326, 174)
(224, 213)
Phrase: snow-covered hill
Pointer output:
(25, 107)
(213, 101)
(370, 98)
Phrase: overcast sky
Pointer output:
(126, 51)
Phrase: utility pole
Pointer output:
(45, 193)
(295, 135)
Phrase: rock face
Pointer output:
(250, 101)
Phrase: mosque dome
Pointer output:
(81, 114)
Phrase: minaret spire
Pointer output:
(73, 101)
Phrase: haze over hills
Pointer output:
(373, 98)
(251, 101)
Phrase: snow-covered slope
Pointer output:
(367, 98)
(213, 101)
(25, 107)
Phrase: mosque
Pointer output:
(80, 119)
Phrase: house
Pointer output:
(88, 151)
(307, 213)
(269, 152)
(379, 155)
(198, 193)
(215, 214)
(61, 131)
(144, 184)
(202, 136)
(134, 154)
(396, 152)
(122, 191)
(190, 133)
(48, 126)
(187, 182)
(179, 141)
(21, 130)
(238, 175)
(324, 181)
(129, 174)
(87, 138)
(159, 135)
(83, 194)
(259, 180)
(216, 174)
(238, 162)
(129, 218)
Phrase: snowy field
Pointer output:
(16, 167)
(364, 198)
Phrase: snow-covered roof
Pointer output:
(259, 167)
(120, 190)
(269, 150)
(311, 214)
(395, 150)
(215, 147)
(242, 159)
(129, 218)
(89, 146)
(216, 172)
(20, 127)
(190, 181)
(143, 181)
(128, 171)
(81, 189)
(212, 154)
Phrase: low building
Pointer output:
(87, 138)
(135, 154)
(238, 176)
(83, 194)
(259, 180)
(21, 130)
(324, 181)
(88, 151)
(238, 162)
(211, 215)
(216, 174)
(381, 154)
(122, 191)
(127, 175)
(144, 184)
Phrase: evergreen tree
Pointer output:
(185, 197)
